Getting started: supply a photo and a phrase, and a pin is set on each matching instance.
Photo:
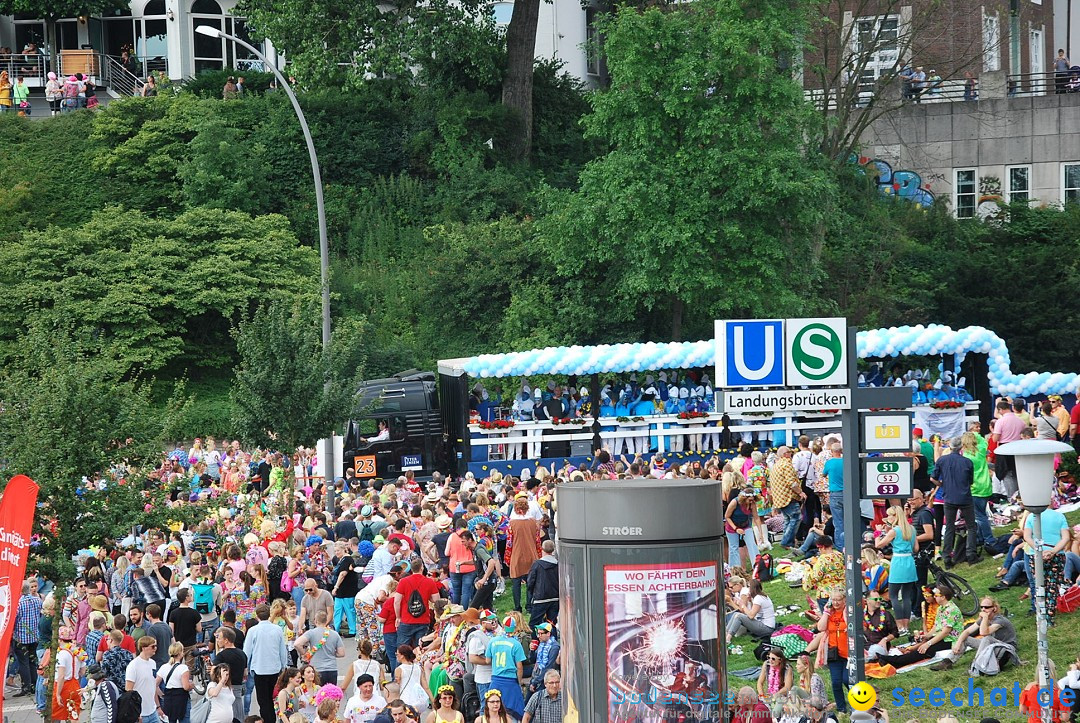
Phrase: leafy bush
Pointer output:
(209, 83)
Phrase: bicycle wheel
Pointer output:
(963, 594)
(200, 676)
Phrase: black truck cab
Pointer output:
(408, 403)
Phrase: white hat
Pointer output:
(673, 391)
(536, 393)
(937, 384)
(584, 392)
(684, 393)
(652, 391)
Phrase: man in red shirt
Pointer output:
(749, 707)
(119, 623)
(411, 627)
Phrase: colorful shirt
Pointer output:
(783, 483)
(826, 575)
(948, 615)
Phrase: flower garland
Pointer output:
(693, 415)
(312, 649)
(497, 424)
(76, 652)
(946, 404)
(880, 627)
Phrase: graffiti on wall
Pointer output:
(903, 184)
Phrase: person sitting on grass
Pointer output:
(948, 622)
(992, 636)
(756, 614)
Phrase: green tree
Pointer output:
(329, 42)
(286, 390)
(161, 291)
(707, 205)
(74, 420)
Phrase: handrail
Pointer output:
(1029, 84)
(119, 78)
(26, 65)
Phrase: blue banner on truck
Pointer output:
(412, 462)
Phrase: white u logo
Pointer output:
(770, 354)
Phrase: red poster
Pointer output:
(16, 520)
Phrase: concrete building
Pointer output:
(974, 154)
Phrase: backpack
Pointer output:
(416, 604)
(129, 707)
(764, 569)
(203, 596)
(367, 531)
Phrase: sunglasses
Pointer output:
(988, 607)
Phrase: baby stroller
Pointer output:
(1073, 84)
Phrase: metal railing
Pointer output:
(1028, 84)
(940, 91)
(118, 78)
(30, 66)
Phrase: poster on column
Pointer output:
(662, 627)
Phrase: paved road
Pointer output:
(21, 710)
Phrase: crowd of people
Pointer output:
(262, 605)
(962, 492)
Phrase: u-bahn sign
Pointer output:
(782, 353)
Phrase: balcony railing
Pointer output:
(1028, 84)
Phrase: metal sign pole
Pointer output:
(853, 519)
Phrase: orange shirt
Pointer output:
(1029, 705)
(461, 557)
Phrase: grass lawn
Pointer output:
(1064, 644)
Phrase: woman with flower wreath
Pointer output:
(286, 695)
(307, 690)
(446, 707)
(494, 711)
(234, 592)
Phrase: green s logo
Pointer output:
(816, 351)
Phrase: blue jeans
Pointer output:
(208, 629)
(982, 520)
(836, 505)
(1072, 566)
(410, 633)
(792, 517)
(390, 641)
(838, 673)
(1016, 569)
(463, 588)
(249, 688)
(733, 546)
(152, 718)
(344, 606)
(482, 689)
(297, 595)
(808, 547)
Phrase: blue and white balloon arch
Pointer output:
(892, 342)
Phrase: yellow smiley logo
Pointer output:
(862, 696)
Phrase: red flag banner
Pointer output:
(16, 520)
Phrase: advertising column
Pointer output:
(640, 589)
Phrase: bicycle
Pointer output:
(200, 669)
(963, 594)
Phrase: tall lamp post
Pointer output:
(1035, 475)
(324, 244)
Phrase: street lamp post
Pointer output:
(1034, 475)
(324, 244)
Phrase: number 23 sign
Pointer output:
(365, 465)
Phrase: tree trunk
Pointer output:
(50, 42)
(517, 88)
(676, 319)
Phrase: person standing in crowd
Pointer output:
(237, 663)
(321, 647)
(413, 611)
(507, 666)
(833, 472)
(1056, 536)
(1007, 428)
(543, 587)
(545, 706)
(522, 548)
(955, 474)
(787, 495)
(975, 449)
(267, 657)
(140, 677)
(740, 521)
(25, 639)
(477, 650)
(174, 681)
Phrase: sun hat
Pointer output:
(379, 540)
(367, 511)
(99, 603)
(451, 610)
(443, 522)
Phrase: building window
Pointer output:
(965, 192)
(1070, 182)
(991, 42)
(875, 49)
(592, 43)
(1017, 184)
